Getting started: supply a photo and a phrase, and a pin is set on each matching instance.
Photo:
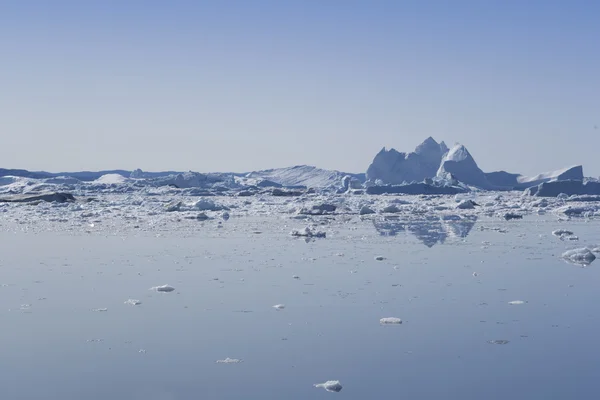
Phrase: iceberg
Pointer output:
(393, 167)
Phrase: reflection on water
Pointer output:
(430, 230)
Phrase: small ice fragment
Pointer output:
(142, 351)
(379, 258)
(475, 274)
(133, 302)
(229, 361)
(330, 386)
(466, 205)
(516, 302)
(279, 306)
(364, 210)
(392, 209)
(498, 341)
(163, 288)
(390, 321)
(296, 277)
(582, 256)
(100, 309)
(564, 234)
(202, 216)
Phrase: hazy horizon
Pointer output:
(239, 86)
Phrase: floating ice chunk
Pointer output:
(466, 205)
(163, 288)
(596, 250)
(295, 277)
(498, 341)
(379, 258)
(318, 209)
(202, 217)
(508, 216)
(133, 302)
(308, 232)
(279, 307)
(516, 302)
(330, 386)
(229, 361)
(365, 210)
(582, 256)
(100, 309)
(392, 209)
(564, 234)
(390, 321)
(208, 205)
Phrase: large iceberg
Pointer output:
(393, 167)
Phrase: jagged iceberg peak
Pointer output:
(458, 153)
(430, 145)
(394, 167)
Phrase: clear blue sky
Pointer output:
(241, 85)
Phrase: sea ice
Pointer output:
(163, 288)
(279, 307)
(133, 302)
(582, 256)
(390, 321)
(498, 341)
(330, 386)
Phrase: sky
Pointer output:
(253, 84)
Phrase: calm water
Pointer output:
(227, 280)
